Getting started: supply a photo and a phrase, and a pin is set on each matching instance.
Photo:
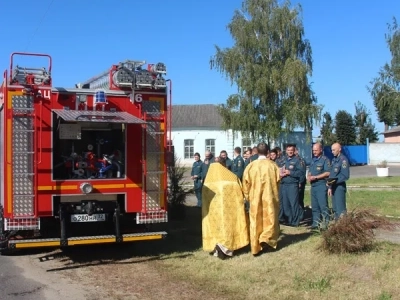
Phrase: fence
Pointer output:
(389, 152)
(357, 155)
(371, 153)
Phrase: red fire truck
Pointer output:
(83, 165)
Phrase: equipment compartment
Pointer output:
(88, 150)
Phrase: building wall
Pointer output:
(227, 141)
(384, 151)
(392, 137)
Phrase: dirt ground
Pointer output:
(129, 271)
(124, 272)
(120, 272)
(56, 285)
(107, 275)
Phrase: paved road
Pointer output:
(370, 171)
(26, 277)
(14, 286)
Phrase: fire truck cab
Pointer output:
(83, 165)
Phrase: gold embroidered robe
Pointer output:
(261, 188)
(223, 211)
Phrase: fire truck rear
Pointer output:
(83, 165)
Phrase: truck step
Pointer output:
(26, 174)
(23, 130)
(86, 240)
(24, 152)
(23, 108)
(155, 172)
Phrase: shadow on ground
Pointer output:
(184, 237)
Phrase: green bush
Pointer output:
(177, 189)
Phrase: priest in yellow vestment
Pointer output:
(224, 223)
(261, 188)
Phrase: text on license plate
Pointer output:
(87, 218)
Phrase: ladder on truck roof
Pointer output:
(25, 143)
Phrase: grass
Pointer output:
(177, 268)
(375, 181)
(384, 202)
(297, 271)
(385, 296)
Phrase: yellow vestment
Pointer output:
(261, 188)
(224, 215)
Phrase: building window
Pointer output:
(246, 143)
(189, 149)
(210, 145)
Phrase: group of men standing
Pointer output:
(200, 168)
(273, 185)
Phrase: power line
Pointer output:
(38, 26)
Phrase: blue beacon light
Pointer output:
(100, 98)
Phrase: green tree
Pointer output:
(385, 88)
(270, 63)
(345, 128)
(177, 188)
(327, 129)
(393, 41)
(363, 123)
(384, 101)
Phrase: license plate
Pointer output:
(87, 218)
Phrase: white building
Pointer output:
(197, 128)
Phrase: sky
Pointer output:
(85, 38)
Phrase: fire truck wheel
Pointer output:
(7, 252)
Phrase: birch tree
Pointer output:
(385, 88)
(270, 63)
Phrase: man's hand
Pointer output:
(312, 178)
(329, 192)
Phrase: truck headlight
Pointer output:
(86, 188)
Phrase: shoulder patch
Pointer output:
(344, 164)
